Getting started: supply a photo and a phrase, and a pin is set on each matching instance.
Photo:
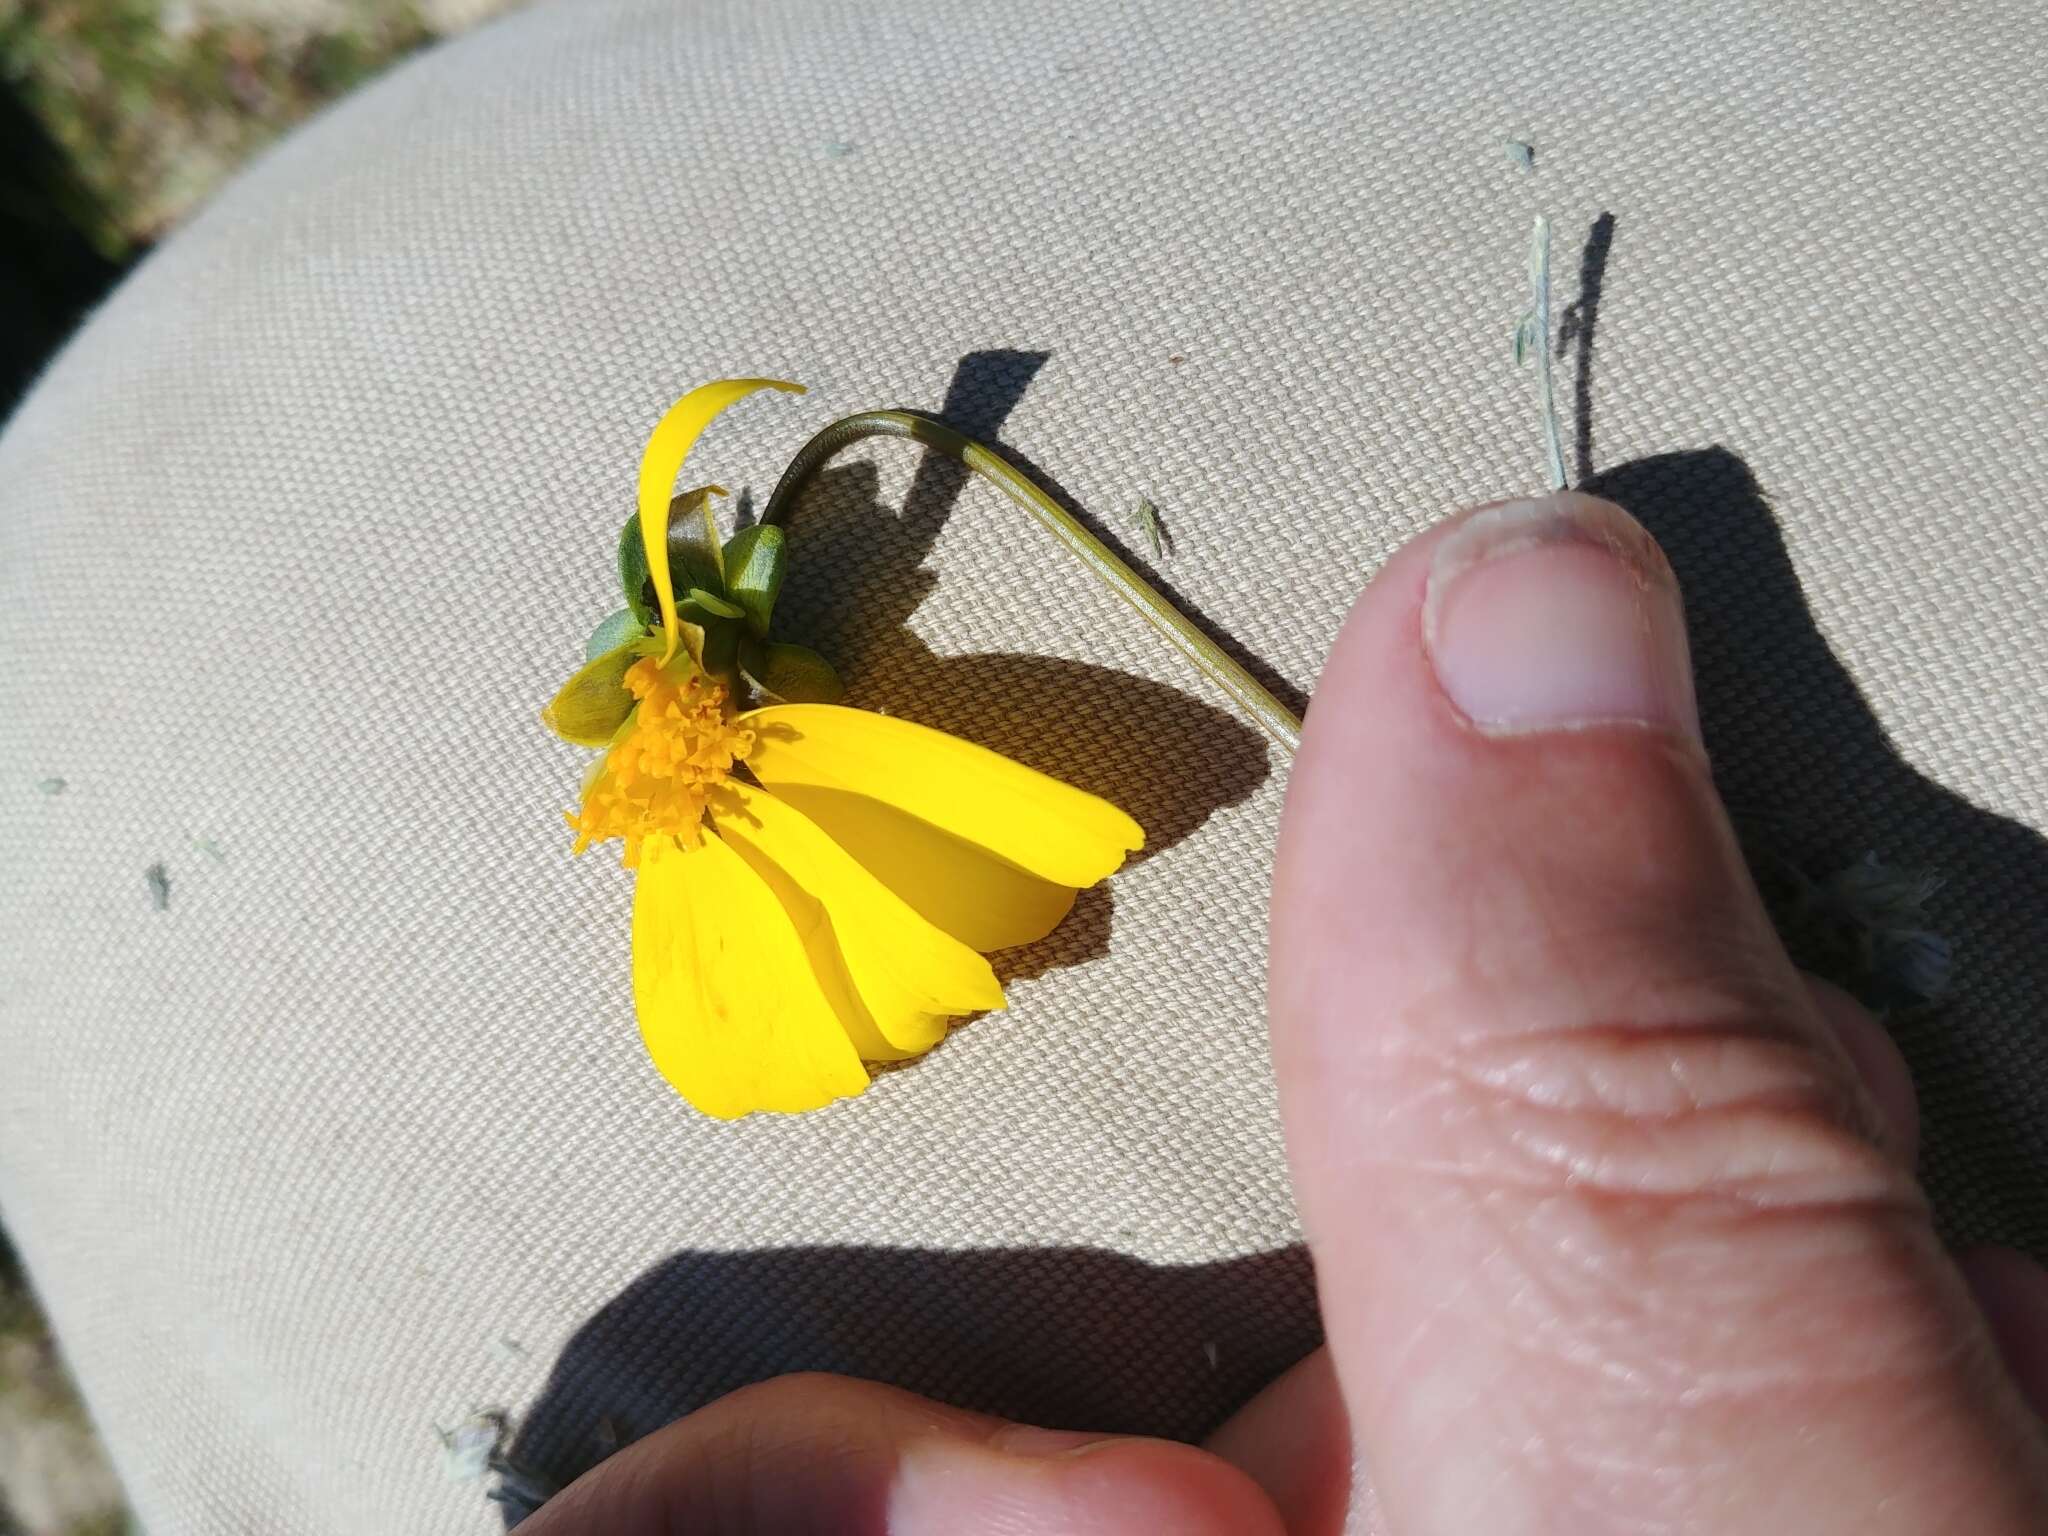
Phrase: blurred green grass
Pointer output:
(54, 1478)
(156, 102)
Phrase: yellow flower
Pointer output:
(816, 885)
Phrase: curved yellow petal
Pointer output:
(985, 902)
(908, 976)
(821, 952)
(729, 1007)
(667, 446)
(1042, 826)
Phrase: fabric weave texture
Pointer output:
(300, 532)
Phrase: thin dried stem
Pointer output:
(1546, 392)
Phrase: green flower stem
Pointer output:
(1269, 713)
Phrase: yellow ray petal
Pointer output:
(729, 1008)
(667, 446)
(821, 952)
(1042, 826)
(907, 975)
(985, 902)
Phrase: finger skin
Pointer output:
(815, 1455)
(2013, 1291)
(1294, 1441)
(1603, 1236)
(1294, 1438)
(1880, 1067)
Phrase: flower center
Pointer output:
(652, 782)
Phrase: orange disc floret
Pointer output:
(678, 746)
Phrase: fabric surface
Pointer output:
(357, 1134)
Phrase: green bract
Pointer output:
(726, 604)
(753, 574)
(612, 633)
(594, 703)
(796, 674)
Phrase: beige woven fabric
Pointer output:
(294, 540)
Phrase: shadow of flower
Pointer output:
(857, 574)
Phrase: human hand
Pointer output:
(1612, 1211)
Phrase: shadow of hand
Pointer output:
(1804, 763)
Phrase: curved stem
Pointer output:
(1273, 717)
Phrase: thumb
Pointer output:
(816, 1455)
(1603, 1237)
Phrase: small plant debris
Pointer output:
(158, 879)
(467, 1449)
(476, 1449)
(1147, 520)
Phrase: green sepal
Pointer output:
(715, 605)
(753, 573)
(699, 502)
(753, 659)
(692, 636)
(614, 632)
(594, 703)
(720, 653)
(634, 580)
(694, 558)
(796, 674)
